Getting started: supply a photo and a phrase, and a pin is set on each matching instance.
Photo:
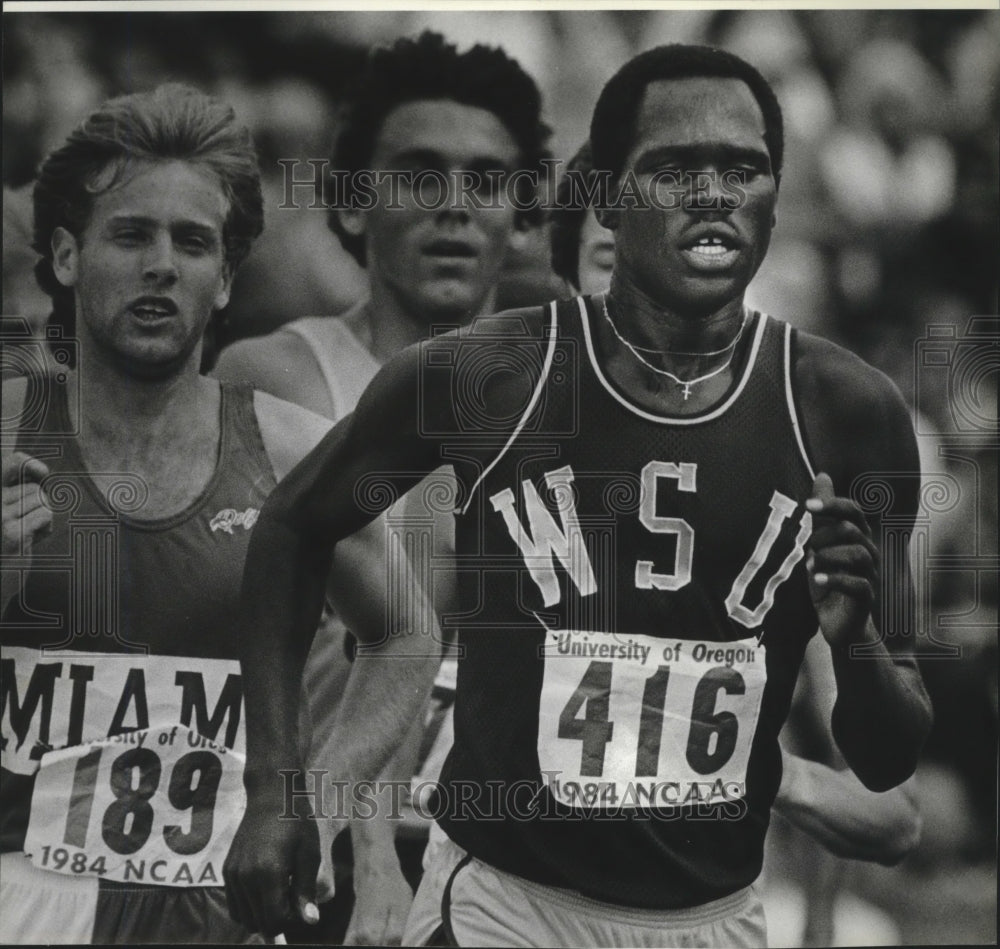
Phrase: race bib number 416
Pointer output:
(637, 721)
(158, 806)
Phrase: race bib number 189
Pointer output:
(638, 721)
(158, 806)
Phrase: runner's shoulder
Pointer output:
(489, 368)
(830, 377)
(449, 351)
(854, 415)
(271, 363)
(528, 322)
(289, 432)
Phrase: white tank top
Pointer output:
(345, 362)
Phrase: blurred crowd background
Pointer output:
(887, 242)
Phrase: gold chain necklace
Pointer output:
(685, 383)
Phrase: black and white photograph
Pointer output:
(513, 475)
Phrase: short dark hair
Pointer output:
(612, 129)
(428, 67)
(173, 122)
(568, 215)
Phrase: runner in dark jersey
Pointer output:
(130, 490)
(831, 805)
(655, 517)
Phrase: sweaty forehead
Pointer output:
(457, 132)
(695, 110)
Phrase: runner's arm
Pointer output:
(860, 429)
(823, 798)
(354, 473)
(836, 809)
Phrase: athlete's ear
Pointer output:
(519, 238)
(65, 257)
(351, 220)
(774, 212)
(225, 287)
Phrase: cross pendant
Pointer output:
(687, 391)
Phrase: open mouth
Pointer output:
(711, 252)
(710, 247)
(153, 308)
(450, 248)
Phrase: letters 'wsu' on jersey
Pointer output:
(633, 628)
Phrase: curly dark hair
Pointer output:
(570, 212)
(429, 67)
(612, 129)
(173, 122)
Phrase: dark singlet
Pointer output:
(634, 631)
(122, 711)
